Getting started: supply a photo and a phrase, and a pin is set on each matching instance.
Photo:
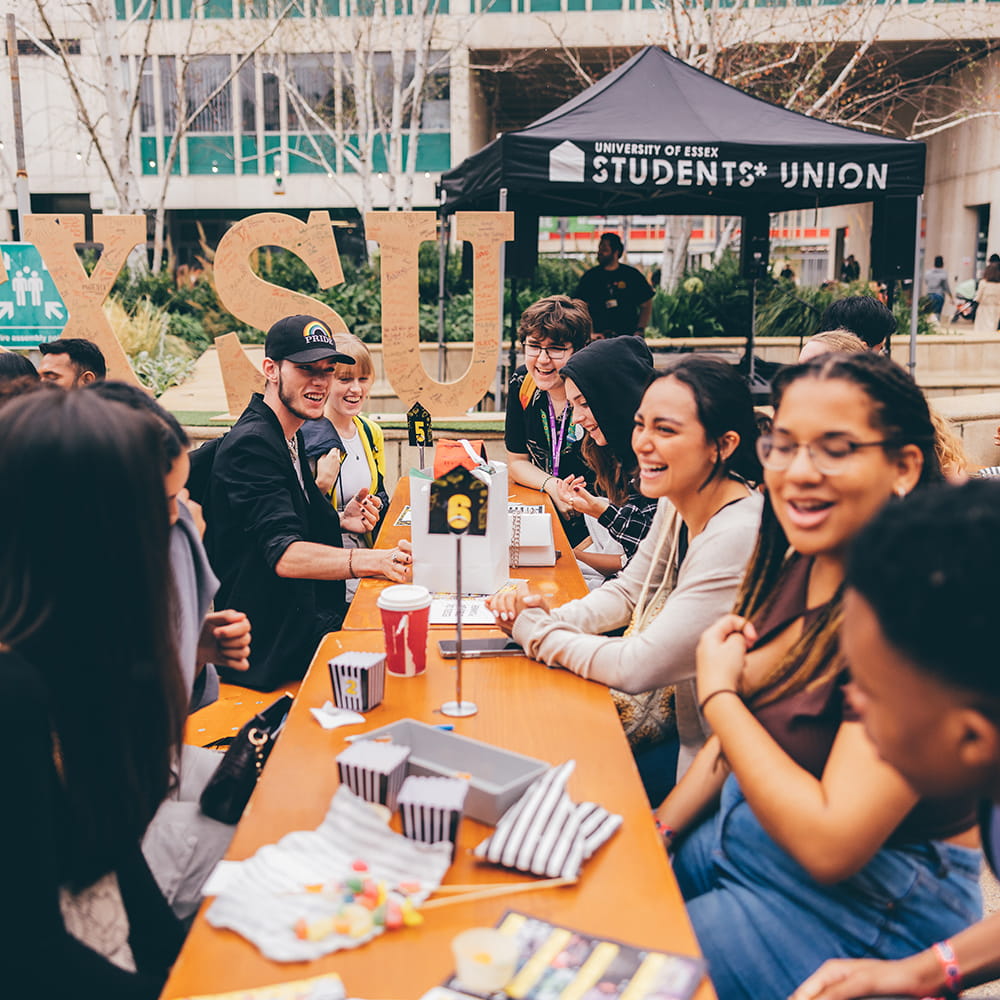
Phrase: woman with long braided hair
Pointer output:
(813, 847)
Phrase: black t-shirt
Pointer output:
(528, 431)
(613, 298)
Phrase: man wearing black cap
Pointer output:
(273, 540)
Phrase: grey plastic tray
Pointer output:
(499, 777)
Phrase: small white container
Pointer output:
(484, 958)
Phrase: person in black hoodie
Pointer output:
(604, 384)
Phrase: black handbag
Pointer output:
(227, 793)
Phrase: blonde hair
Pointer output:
(950, 450)
(363, 366)
(350, 345)
(840, 341)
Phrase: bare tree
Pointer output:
(835, 64)
(369, 105)
(107, 101)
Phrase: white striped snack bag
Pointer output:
(431, 808)
(374, 771)
(358, 680)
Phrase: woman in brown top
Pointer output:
(817, 848)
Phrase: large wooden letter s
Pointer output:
(399, 235)
(257, 302)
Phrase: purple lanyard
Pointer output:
(557, 440)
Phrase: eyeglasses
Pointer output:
(554, 353)
(830, 453)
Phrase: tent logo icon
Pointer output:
(566, 164)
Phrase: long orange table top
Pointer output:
(626, 891)
(562, 581)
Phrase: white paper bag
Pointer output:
(484, 557)
(531, 541)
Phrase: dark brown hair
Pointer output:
(98, 632)
(900, 412)
(564, 321)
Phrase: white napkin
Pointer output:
(264, 897)
(330, 717)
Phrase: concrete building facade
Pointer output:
(270, 70)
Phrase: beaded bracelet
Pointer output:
(949, 965)
(350, 563)
(545, 482)
(708, 698)
(665, 832)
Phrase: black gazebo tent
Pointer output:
(657, 136)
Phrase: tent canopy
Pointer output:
(657, 136)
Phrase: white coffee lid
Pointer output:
(404, 597)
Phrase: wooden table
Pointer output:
(562, 581)
(626, 891)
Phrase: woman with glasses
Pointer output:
(813, 846)
(543, 442)
(693, 439)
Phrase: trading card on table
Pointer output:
(555, 963)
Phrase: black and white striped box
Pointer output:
(374, 771)
(358, 680)
(431, 808)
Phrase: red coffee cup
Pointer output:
(405, 613)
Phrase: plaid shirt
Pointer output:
(630, 522)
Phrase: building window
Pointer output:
(312, 86)
(168, 92)
(204, 77)
(147, 98)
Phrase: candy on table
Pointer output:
(366, 903)
(412, 917)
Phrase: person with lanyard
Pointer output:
(618, 297)
(346, 450)
(920, 635)
(694, 440)
(542, 441)
(795, 841)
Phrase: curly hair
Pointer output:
(900, 412)
(564, 321)
(933, 560)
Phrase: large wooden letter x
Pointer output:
(56, 237)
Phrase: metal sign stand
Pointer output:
(458, 709)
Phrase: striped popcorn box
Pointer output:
(374, 771)
(358, 680)
(431, 808)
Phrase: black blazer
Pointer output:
(256, 509)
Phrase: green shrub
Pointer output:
(793, 311)
(158, 372)
(684, 313)
(188, 328)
